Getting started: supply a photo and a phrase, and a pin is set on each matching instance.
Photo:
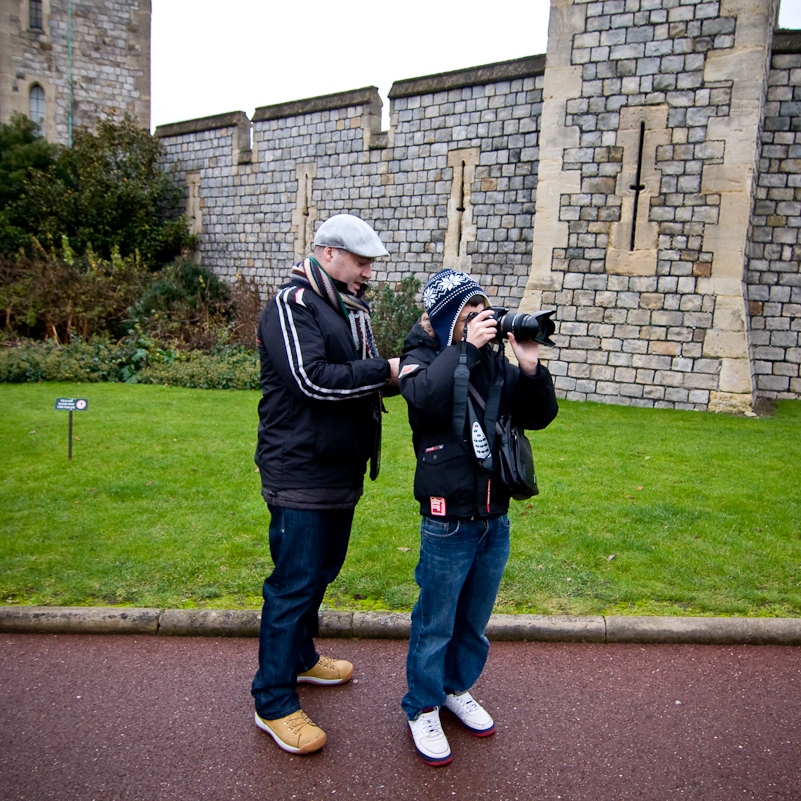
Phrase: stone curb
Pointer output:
(396, 625)
(78, 620)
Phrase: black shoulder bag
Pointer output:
(516, 457)
(514, 450)
(517, 462)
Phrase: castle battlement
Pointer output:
(644, 178)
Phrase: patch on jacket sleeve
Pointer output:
(438, 507)
(408, 369)
(299, 297)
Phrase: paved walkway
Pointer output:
(161, 718)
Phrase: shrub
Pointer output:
(106, 192)
(132, 360)
(96, 360)
(46, 296)
(394, 312)
(186, 303)
(234, 368)
(247, 308)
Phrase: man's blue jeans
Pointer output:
(459, 573)
(308, 548)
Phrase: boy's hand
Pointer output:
(482, 329)
(527, 354)
(394, 366)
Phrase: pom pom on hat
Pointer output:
(444, 297)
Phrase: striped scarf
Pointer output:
(353, 309)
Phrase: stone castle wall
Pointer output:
(110, 70)
(773, 275)
(643, 184)
(260, 199)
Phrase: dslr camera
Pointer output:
(538, 326)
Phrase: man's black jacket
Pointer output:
(448, 480)
(316, 424)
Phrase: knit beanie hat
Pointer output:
(444, 296)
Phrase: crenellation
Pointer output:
(659, 322)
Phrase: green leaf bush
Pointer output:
(131, 361)
(93, 361)
(234, 368)
(107, 192)
(394, 310)
(162, 349)
(186, 303)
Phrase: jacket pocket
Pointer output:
(443, 471)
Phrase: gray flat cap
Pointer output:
(350, 233)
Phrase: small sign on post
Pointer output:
(71, 405)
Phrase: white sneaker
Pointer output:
(471, 714)
(429, 739)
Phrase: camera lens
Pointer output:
(526, 327)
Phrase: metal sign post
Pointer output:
(71, 405)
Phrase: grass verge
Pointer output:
(641, 511)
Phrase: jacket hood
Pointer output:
(421, 336)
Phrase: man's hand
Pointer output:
(482, 329)
(394, 367)
(527, 354)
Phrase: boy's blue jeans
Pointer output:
(459, 573)
(308, 548)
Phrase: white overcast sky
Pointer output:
(209, 57)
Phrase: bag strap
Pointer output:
(480, 401)
(462, 404)
(490, 419)
(493, 406)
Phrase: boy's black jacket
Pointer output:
(446, 466)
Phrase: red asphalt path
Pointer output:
(158, 718)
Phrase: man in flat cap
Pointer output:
(319, 424)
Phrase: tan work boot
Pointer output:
(295, 733)
(328, 671)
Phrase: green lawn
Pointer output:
(641, 511)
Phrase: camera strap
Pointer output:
(482, 437)
(461, 378)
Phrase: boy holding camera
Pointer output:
(465, 529)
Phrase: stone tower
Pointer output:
(67, 63)
(648, 176)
